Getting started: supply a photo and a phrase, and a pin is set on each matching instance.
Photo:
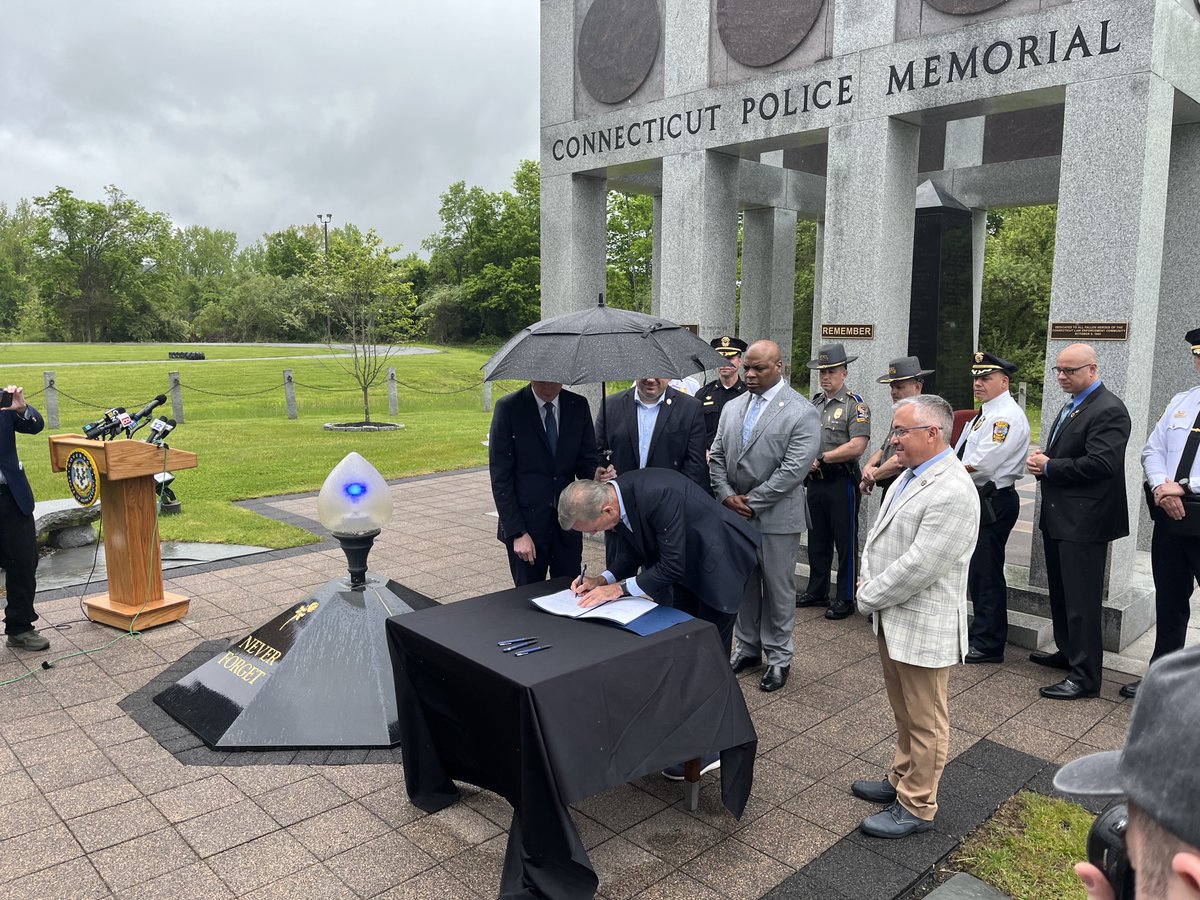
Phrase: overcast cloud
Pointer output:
(256, 115)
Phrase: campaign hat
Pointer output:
(830, 356)
(904, 368)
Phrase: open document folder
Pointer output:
(637, 614)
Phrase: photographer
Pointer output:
(18, 537)
(1158, 775)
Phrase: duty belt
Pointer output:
(833, 470)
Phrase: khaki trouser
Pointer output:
(920, 702)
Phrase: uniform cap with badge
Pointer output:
(830, 356)
(728, 346)
(904, 368)
(987, 363)
(1193, 338)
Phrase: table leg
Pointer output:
(691, 784)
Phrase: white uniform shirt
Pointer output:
(1160, 456)
(997, 443)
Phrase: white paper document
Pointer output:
(622, 611)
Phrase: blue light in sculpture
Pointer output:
(355, 504)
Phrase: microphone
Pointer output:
(106, 426)
(142, 414)
(159, 429)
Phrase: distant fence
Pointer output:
(51, 391)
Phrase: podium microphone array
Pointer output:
(117, 420)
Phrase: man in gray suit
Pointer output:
(766, 442)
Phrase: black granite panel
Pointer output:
(762, 32)
(1023, 134)
(618, 44)
(964, 7)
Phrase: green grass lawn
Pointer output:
(236, 422)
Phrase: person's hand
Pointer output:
(18, 398)
(585, 583)
(601, 594)
(605, 473)
(1168, 497)
(1094, 882)
(868, 479)
(737, 502)
(1036, 464)
(816, 463)
(523, 547)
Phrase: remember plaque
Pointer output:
(1089, 331)
(851, 332)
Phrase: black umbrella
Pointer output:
(600, 345)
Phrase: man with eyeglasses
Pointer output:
(993, 449)
(914, 580)
(1081, 470)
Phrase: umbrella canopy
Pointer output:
(601, 344)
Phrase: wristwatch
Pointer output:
(623, 586)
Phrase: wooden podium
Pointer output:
(128, 498)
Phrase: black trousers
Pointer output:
(985, 579)
(833, 509)
(561, 554)
(19, 559)
(689, 603)
(1075, 571)
(1175, 562)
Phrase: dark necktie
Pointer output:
(551, 430)
(1063, 415)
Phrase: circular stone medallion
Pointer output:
(964, 7)
(617, 47)
(762, 32)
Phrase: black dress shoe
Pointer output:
(1066, 690)
(1130, 690)
(1053, 660)
(742, 663)
(839, 609)
(974, 656)
(882, 791)
(774, 678)
(894, 822)
(807, 599)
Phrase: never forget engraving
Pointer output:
(762, 32)
(618, 43)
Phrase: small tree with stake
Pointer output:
(366, 302)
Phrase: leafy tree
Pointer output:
(204, 266)
(630, 251)
(802, 311)
(291, 252)
(18, 278)
(105, 267)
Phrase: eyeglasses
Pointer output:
(900, 432)
(1067, 370)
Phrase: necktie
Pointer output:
(904, 482)
(1063, 415)
(551, 430)
(752, 415)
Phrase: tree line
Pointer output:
(110, 269)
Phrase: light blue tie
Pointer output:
(752, 414)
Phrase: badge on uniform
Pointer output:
(1000, 432)
(861, 414)
(1181, 414)
(837, 413)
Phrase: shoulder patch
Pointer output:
(1000, 432)
(862, 413)
(856, 398)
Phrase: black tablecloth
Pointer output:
(601, 708)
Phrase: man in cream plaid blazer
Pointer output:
(914, 580)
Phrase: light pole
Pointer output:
(325, 220)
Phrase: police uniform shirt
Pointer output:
(1160, 456)
(997, 443)
(713, 397)
(845, 415)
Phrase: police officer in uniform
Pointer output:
(905, 378)
(994, 448)
(833, 496)
(1172, 466)
(728, 384)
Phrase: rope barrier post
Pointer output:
(393, 399)
(487, 396)
(289, 392)
(1022, 394)
(176, 397)
(51, 399)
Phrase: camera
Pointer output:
(1106, 849)
(5, 399)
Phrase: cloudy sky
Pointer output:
(259, 114)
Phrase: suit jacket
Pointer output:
(526, 480)
(10, 466)
(681, 535)
(770, 469)
(677, 442)
(1083, 488)
(915, 562)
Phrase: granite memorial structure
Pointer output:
(835, 111)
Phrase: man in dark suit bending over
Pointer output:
(1081, 470)
(541, 440)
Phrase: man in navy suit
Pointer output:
(693, 552)
(541, 440)
(1082, 476)
(18, 537)
(652, 425)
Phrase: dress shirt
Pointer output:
(631, 584)
(541, 407)
(997, 443)
(1076, 399)
(1160, 456)
(647, 415)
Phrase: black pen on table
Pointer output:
(533, 650)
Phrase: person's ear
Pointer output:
(1186, 865)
